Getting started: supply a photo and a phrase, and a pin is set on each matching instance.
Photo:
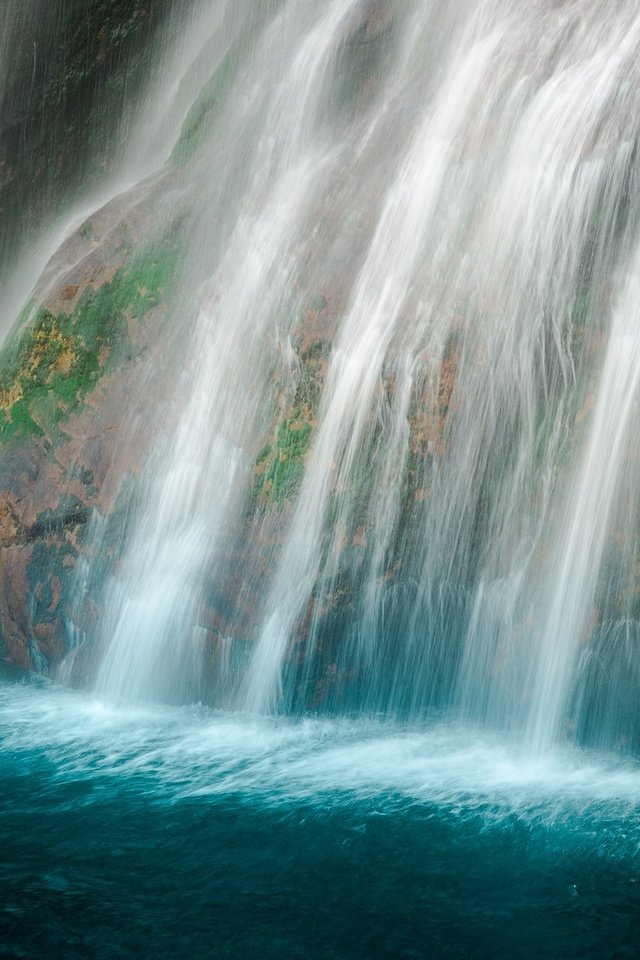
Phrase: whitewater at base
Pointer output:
(187, 832)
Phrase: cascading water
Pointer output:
(195, 501)
(588, 516)
(456, 195)
(322, 414)
(462, 216)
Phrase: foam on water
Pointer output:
(176, 753)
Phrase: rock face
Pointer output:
(68, 434)
(72, 444)
(69, 77)
(75, 427)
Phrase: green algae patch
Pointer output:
(280, 467)
(87, 231)
(55, 359)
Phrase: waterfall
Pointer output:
(588, 516)
(320, 478)
(397, 471)
(195, 499)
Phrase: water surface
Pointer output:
(163, 832)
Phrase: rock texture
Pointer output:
(70, 75)
(73, 424)
(84, 378)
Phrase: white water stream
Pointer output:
(499, 148)
(456, 190)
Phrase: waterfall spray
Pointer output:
(387, 484)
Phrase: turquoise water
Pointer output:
(188, 833)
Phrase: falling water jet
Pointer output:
(588, 516)
(358, 354)
(411, 218)
(202, 490)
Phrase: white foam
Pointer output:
(176, 753)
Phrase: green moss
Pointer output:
(54, 360)
(264, 453)
(86, 231)
(280, 467)
(317, 350)
(18, 422)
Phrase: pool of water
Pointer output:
(187, 833)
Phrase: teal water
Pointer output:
(189, 833)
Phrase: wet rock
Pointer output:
(69, 403)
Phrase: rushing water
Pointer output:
(413, 252)
(461, 200)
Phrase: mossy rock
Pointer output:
(54, 360)
(279, 469)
